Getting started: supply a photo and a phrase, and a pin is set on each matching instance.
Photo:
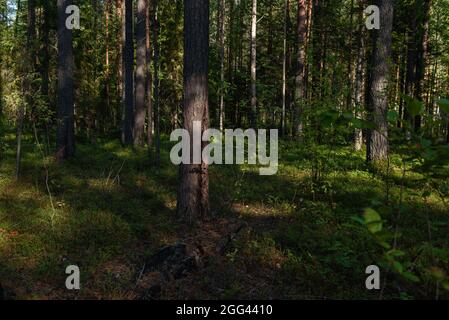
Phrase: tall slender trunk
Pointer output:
(299, 93)
(411, 60)
(128, 62)
(139, 115)
(31, 35)
(318, 64)
(157, 124)
(93, 121)
(45, 64)
(253, 52)
(423, 6)
(193, 196)
(433, 77)
(377, 97)
(66, 130)
(16, 21)
(284, 66)
(221, 41)
(402, 83)
(2, 12)
(149, 80)
(230, 57)
(309, 10)
(359, 85)
(349, 95)
(119, 4)
(107, 86)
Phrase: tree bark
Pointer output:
(156, 83)
(141, 56)
(193, 196)
(253, 53)
(45, 64)
(65, 133)
(107, 86)
(221, 40)
(299, 93)
(423, 7)
(119, 4)
(29, 68)
(377, 98)
(284, 64)
(149, 80)
(317, 68)
(411, 60)
(359, 85)
(128, 62)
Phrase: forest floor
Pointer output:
(293, 237)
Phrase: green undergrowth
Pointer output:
(109, 208)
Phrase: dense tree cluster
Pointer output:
(292, 65)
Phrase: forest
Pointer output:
(348, 99)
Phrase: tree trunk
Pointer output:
(119, 4)
(423, 7)
(66, 132)
(318, 38)
(349, 96)
(107, 86)
(157, 124)
(128, 62)
(253, 51)
(402, 84)
(149, 81)
(411, 60)
(29, 69)
(139, 116)
(233, 18)
(358, 86)
(299, 93)
(284, 65)
(193, 196)
(377, 98)
(45, 64)
(221, 40)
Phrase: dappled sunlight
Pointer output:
(110, 200)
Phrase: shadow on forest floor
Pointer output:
(108, 209)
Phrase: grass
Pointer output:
(109, 208)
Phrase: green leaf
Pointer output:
(328, 118)
(444, 105)
(348, 115)
(396, 253)
(372, 220)
(410, 276)
(384, 244)
(414, 107)
(398, 267)
(392, 116)
(357, 123)
(426, 143)
(358, 219)
(362, 124)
